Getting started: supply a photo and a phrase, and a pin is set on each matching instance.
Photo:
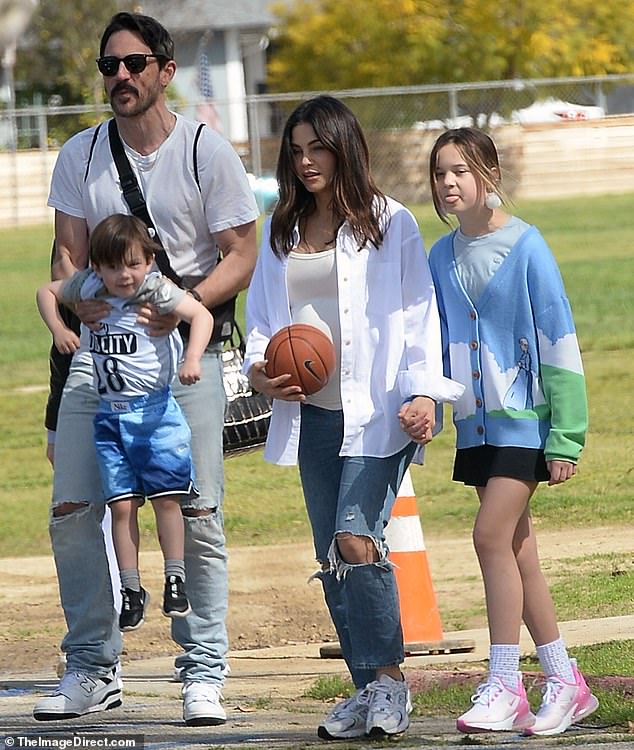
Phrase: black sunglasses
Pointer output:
(109, 65)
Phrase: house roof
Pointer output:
(194, 15)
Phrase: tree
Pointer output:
(334, 44)
(337, 44)
(57, 56)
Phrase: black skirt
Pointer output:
(474, 466)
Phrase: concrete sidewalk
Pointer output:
(265, 703)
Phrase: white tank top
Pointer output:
(312, 292)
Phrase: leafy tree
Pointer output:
(335, 44)
(57, 54)
(529, 39)
(338, 44)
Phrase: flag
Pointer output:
(205, 109)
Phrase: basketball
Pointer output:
(303, 351)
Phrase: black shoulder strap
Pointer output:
(195, 154)
(135, 200)
(92, 148)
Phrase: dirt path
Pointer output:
(271, 602)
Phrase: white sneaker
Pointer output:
(79, 693)
(390, 706)
(347, 719)
(563, 704)
(497, 707)
(201, 704)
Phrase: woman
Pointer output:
(340, 255)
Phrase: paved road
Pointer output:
(266, 708)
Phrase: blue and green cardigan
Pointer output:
(515, 350)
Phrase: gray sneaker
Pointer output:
(79, 693)
(390, 706)
(348, 718)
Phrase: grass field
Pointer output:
(593, 240)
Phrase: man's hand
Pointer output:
(157, 324)
(274, 387)
(417, 418)
(91, 312)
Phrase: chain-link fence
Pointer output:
(400, 124)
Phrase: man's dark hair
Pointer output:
(157, 38)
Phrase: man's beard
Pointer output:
(140, 106)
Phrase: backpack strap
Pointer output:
(195, 153)
(135, 200)
(92, 148)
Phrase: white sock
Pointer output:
(555, 660)
(504, 662)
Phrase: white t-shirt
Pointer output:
(184, 215)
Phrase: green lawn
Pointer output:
(593, 240)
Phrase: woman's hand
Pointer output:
(417, 418)
(157, 324)
(274, 387)
(91, 312)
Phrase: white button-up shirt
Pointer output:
(390, 337)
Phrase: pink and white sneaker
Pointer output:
(497, 707)
(563, 704)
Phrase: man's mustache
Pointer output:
(123, 87)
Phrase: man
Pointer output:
(196, 212)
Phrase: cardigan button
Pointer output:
(474, 345)
(476, 375)
(480, 430)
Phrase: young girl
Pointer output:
(509, 337)
(340, 255)
(141, 436)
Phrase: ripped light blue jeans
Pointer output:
(93, 641)
(355, 495)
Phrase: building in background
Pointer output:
(221, 56)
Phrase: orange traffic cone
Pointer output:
(420, 618)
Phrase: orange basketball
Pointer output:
(304, 352)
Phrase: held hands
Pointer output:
(560, 471)
(274, 387)
(417, 418)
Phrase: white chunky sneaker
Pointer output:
(390, 706)
(79, 693)
(563, 704)
(497, 707)
(202, 704)
(348, 718)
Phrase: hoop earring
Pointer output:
(492, 201)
